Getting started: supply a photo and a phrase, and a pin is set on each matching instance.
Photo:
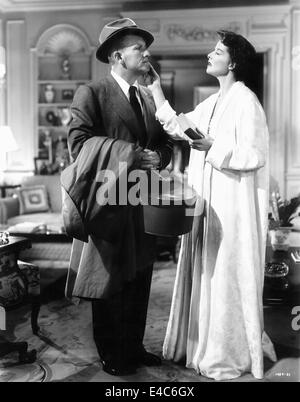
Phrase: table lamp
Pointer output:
(7, 144)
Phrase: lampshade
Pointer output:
(7, 140)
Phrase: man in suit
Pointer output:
(119, 108)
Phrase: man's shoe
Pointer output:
(117, 369)
(149, 359)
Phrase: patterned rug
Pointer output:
(66, 351)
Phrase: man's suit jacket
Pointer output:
(102, 109)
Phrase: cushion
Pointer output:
(52, 183)
(54, 221)
(33, 199)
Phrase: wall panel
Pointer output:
(18, 90)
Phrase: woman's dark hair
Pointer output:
(241, 52)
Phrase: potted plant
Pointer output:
(281, 220)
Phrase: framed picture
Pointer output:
(67, 94)
(52, 118)
(201, 93)
(41, 165)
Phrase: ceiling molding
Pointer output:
(50, 5)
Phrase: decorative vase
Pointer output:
(279, 238)
(49, 93)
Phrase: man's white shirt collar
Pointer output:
(124, 84)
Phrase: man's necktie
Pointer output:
(138, 112)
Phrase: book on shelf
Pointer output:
(188, 127)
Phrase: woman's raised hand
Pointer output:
(155, 87)
(152, 79)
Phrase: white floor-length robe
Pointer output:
(216, 317)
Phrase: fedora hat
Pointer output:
(116, 29)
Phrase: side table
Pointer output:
(281, 287)
(18, 287)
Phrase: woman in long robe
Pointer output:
(216, 318)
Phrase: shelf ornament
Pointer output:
(66, 68)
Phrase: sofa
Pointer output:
(52, 257)
(10, 208)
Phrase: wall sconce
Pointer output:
(2, 63)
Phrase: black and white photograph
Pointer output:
(40, 165)
(152, 225)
